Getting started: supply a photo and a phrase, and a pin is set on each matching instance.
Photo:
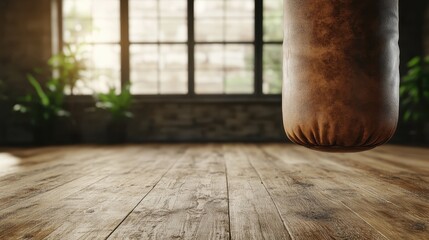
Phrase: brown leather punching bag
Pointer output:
(341, 73)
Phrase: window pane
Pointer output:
(174, 57)
(224, 68)
(77, 30)
(144, 81)
(273, 61)
(91, 21)
(239, 57)
(239, 82)
(239, 29)
(273, 8)
(209, 30)
(164, 68)
(273, 20)
(143, 9)
(209, 82)
(77, 8)
(231, 20)
(144, 57)
(144, 30)
(208, 9)
(209, 57)
(173, 8)
(102, 63)
(173, 30)
(144, 64)
(103, 28)
(158, 20)
(273, 29)
(173, 82)
(240, 9)
(173, 68)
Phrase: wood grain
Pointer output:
(190, 202)
(250, 204)
(213, 191)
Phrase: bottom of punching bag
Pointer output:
(340, 149)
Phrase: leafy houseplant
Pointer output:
(118, 105)
(43, 107)
(414, 93)
(69, 66)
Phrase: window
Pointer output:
(158, 50)
(94, 32)
(181, 47)
(224, 49)
(273, 37)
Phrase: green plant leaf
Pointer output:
(44, 99)
(407, 115)
(413, 62)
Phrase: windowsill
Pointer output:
(212, 98)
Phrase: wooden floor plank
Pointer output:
(370, 199)
(404, 191)
(47, 176)
(307, 213)
(190, 202)
(91, 206)
(253, 214)
(13, 161)
(213, 191)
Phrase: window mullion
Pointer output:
(258, 46)
(191, 48)
(125, 43)
(59, 11)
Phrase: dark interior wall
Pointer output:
(411, 27)
(25, 37)
(25, 43)
(426, 30)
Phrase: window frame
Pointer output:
(191, 96)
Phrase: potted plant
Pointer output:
(43, 107)
(414, 93)
(68, 66)
(118, 105)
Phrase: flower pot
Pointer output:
(341, 73)
(43, 134)
(117, 131)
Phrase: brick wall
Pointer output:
(25, 43)
(194, 122)
(25, 37)
(167, 122)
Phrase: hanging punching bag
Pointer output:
(341, 73)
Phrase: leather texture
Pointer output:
(341, 73)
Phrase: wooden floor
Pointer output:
(213, 191)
